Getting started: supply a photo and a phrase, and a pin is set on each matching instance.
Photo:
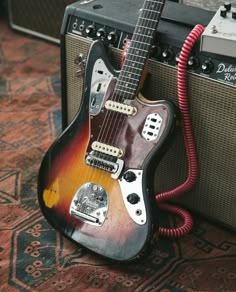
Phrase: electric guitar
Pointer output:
(95, 182)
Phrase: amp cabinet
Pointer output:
(38, 18)
(212, 100)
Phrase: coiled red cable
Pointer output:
(189, 142)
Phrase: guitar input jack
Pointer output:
(81, 27)
(75, 24)
(138, 212)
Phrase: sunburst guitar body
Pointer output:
(95, 183)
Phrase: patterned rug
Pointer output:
(33, 256)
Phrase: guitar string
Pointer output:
(116, 96)
(113, 121)
(115, 118)
(142, 50)
(121, 93)
(132, 58)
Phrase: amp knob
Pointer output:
(112, 37)
(101, 33)
(155, 51)
(193, 62)
(168, 54)
(90, 30)
(207, 66)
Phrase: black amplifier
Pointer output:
(211, 94)
(39, 18)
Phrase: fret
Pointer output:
(127, 85)
(139, 69)
(139, 47)
(130, 78)
(143, 57)
(137, 57)
(146, 36)
(146, 27)
(150, 14)
(153, 1)
(148, 19)
(131, 64)
(127, 90)
(139, 42)
(149, 10)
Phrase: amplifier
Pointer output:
(212, 91)
(38, 18)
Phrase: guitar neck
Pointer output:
(139, 48)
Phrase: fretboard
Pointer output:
(139, 48)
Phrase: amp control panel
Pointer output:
(115, 25)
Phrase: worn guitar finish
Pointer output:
(95, 181)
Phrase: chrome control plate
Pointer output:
(152, 127)
(136, 211)
(101, 78)
(90, 204)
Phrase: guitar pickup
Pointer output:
(107, 149)
(105, 162)
(120, 108)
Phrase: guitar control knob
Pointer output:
(112, 37)
(101, 33)
(91, 30)
(207, 66)
(130, 176)
(133, 198)
(193, 62)
(168, 54)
